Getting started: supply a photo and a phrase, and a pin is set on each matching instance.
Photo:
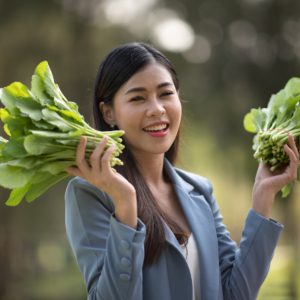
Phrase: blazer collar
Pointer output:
(200, 218)
(176, 179)
(178, 183)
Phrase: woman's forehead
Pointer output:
(153, 74)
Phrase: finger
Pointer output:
(291, 170)
(73, 171)
(105, 161)
(291, 154)
(97, 153)
(292, 144)
(80, 155)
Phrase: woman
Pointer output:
(152, 231)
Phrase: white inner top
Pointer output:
(190, 253)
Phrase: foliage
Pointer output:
(272, 125)
(44, 129)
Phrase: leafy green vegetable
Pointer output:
(43, 129)
(271, 126)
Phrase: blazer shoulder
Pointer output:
(78, 187)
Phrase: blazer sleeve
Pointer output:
(244, 268)
(110, 254)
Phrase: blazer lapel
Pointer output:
(201, 221)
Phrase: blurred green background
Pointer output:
(230, 56)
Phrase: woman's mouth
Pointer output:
(157, 130)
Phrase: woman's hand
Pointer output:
(268, 184)
(98, 172)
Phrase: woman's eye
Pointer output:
(165, 94)
(136, 98)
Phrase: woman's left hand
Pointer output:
(268, 184)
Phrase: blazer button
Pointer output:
(125, 262)
(125, 244)
(124, 277)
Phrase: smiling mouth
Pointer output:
(156, 128)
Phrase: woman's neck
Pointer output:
(151, 168)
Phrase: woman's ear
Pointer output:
(107, 113)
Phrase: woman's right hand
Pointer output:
(99, 173)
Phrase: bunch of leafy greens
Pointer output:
(44, 129)
(272, 125)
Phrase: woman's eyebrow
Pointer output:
(135, 89)
(142, 89)
(164, 84)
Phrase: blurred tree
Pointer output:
(31, 32)
(253, 53)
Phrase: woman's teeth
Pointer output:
(156, 127)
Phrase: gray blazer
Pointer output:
(110, 254)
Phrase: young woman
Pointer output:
(152, 231)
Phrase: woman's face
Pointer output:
(148, 109)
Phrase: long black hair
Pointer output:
(115, 70)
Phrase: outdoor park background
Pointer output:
(230, 56)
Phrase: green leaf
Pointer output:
(285, 191)
(48, 91)
(17, 89)
(47, 76)
(273, 107)
(16, 95)
(73, 106)
(9, 101)
(43, 125)
(292, 88)
(44, 129)
(36, 145)
(56, 167)
(25, 162)
(3, 141)
(30, 108)
(4, 114)
(254, 120)
(14, 177)
(40, 162)
(6, 130)
(42, 186)
(56, 120)
(15, 148)
(294, 121)
(282, 104)
(17, 195)
(63, 155)
(57, 135)
(17, 126)
(68, 114)
(45, 83)
(38, 90)
(286, 110)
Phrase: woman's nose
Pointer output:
(155, 108)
